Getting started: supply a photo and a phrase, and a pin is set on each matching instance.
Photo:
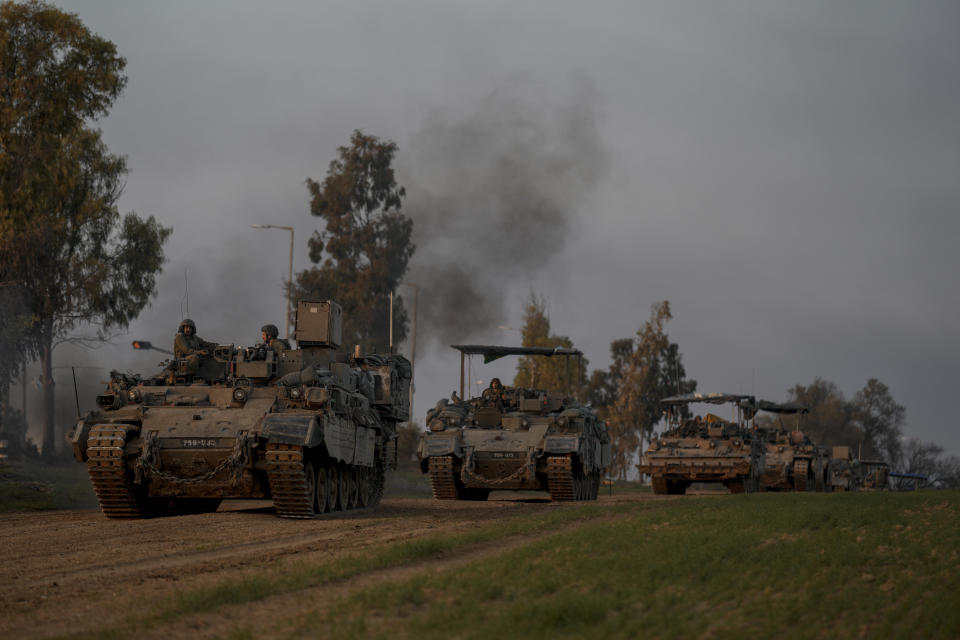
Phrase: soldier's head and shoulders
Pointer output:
(270, 335)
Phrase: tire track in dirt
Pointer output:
(278, 616)
(66, 570)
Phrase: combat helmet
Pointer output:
(271, 331)
(187, 322)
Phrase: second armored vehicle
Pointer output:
(304, 427)
(705, 449)
(514, 438)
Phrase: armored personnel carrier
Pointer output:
(793, 461)
(875, 475)
(843, 473)
(705, 449)
(311, 431)
(513, 438)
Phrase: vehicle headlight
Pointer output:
(240, 394)
(133, 395)
(296, 393)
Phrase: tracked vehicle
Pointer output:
(514, 439)
(844, 472)
(705, 449)
(793, 461)
(302, 427)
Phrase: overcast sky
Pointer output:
(787, 174)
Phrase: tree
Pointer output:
(653, 371)
(553, 373)
(602, 392)
(830, 421)
(62, 240)
(14, 323)
(880, 419)
(365, 246)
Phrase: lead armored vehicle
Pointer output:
(303, 427)
(514, 438)
(793, 461)
(705, 448)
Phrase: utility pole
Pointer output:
(413, 344)
(289, 273)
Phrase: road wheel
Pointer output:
(333, 497)
(310, 477)
(353, 497)
(323, 488)
(344, 484)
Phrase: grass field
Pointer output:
(849, 565)
(786, 565)
(32, 485)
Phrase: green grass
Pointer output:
(35, 485)
(874, 565)
(295, 575)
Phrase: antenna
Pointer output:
(186, 297)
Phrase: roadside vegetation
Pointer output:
(864, 565)
(39, 485)
(847, 565)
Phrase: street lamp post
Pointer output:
(290, 273)
(413, 344)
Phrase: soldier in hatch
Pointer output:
(269, 334)
(187, 345)
(493, 395)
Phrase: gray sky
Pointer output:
(785, 173)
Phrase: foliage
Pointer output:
(62, 240)
(553, 373)
(927, 459)
(644, 371)
(602, 392)
(830, 421)
(363, 251)
(880, 420)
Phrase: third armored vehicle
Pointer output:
(705, 449)
(307, 428)
(793, 461)
(515, 438)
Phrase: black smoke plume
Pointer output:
(494, 194)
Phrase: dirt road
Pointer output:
(66, 572)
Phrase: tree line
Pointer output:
(648, 367)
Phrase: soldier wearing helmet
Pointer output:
(187, 345)
(493, 395)
(270, 336)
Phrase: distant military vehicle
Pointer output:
(514, 438)
(792, 461)
(874, 475)
(843, 472)
(705, 449)
(300, 427)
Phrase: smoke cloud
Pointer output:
(494, 195)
